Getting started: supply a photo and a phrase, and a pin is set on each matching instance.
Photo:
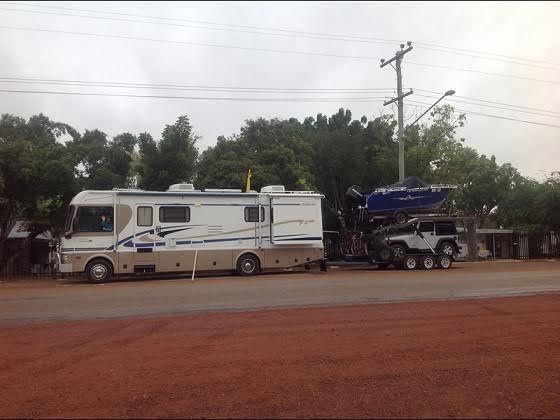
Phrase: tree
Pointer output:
(37, 174)
(169, 161)
(275, 150)
(103, 164)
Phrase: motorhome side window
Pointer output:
(145, 216)
(94, 219)
(252, 214)
(174, 214)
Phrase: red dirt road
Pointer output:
(471, 358)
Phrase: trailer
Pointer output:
(186, 230)
(384, 251)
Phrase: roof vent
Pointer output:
(273, 189)
(181, 187)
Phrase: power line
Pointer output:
(286, 32)
(511, 76)
(495, 107)
(238, 89)
(489, 101)
(200, 44)
(320, 54)
(493, 116)
(205, 98)
(270, 90)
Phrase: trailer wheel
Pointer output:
(409, 262)
(428, 262)
(99, 271)
(445, 261)
(248, 265)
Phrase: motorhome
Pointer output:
(187, 230)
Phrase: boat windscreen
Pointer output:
(410, 182)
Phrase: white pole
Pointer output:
(194, 265)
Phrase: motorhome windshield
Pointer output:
(94, 219)
(69, 215)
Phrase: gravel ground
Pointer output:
(495, 357)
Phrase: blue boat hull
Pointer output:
(392, 200)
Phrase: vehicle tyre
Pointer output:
(401, 217)
(399, 252)
(447, 248)
(445, 262)
(248, 265)
(99, 271)
(385, 253)
(428, 262)
(409, 262)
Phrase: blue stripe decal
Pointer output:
(312, 238)
(82, 249)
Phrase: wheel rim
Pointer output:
(400, 218)
(428, 263)
(445, 262)
(248, 265)
(411, 263)
(447, 249)
(398, 252)
(98, 272)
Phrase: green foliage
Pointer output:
(37, 173)
(274, 150)
(170, 161)
(103, 164)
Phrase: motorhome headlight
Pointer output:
(65, 258)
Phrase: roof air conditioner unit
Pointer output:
(181, 187)
(273, 189)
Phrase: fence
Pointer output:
(526, 245)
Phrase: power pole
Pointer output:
(399, 99)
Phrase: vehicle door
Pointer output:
(427, 229)
(144, 241)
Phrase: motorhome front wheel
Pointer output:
(99, 271)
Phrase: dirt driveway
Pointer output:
(464, 358)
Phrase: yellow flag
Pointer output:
(248, 188)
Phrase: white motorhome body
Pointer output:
(182, 229)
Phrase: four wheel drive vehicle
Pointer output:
(441, 235)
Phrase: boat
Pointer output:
(409, 195)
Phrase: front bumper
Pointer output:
(64, 263)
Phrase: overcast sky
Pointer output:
(510, 29)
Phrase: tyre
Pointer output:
(428, 262)
(399, 251)
(99, 271)
(401, 217)
(409, 262)
(385, 253)
(447, 248)
(248, 265)
(445, 262)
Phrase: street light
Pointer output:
(448, 93)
